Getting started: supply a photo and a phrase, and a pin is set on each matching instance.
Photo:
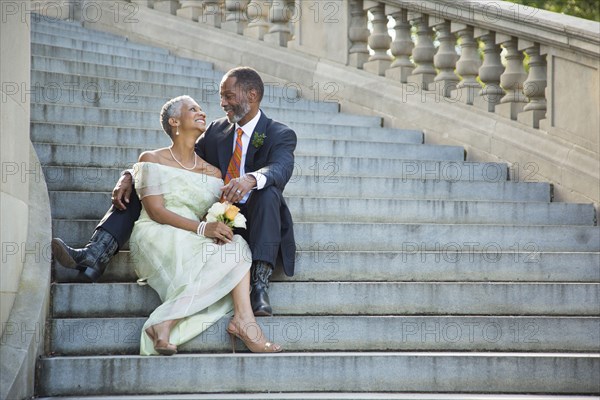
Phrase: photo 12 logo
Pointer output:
(68, 10)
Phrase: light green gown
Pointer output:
(192, 275)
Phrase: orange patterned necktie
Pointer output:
(233, 170)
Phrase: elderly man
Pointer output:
(255, 155)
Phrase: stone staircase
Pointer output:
(419, 275)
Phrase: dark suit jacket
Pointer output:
(274, 159)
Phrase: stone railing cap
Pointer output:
(541, 26)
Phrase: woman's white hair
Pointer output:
(171, 109)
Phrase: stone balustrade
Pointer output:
(471, 72)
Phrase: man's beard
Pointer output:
(239, 111)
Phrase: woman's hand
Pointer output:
(219, 231)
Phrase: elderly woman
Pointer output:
(199, 269)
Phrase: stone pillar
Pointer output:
(279, 17)
(190, 9)
(167, 6)
(489, 72)
(402, 46)
(358, 34)
(468, 64)
(512, 79)
(211, 13)
(423, 52)
(444, 59)
(258, 13)
(379, 39)
(323, 29)
(235, 16)
(535, 86)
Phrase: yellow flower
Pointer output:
(231, 212)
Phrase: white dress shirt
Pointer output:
(248, 129)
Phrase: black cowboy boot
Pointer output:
(92, 259)
(261, 272)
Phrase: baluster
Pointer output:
(379, 39)
(190, 9)
(467, 65)
(167, 6)
(402, 46)
(279, 16)
(444, 59)
(489, 72)
(423, 52)
(211, 13)
(358, 34)
(235, 20)
(512, 79)
(535, 86)
(258, 13)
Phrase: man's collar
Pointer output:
(249, 126)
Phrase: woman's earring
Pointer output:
(177, 132)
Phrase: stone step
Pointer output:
(89, 205)
(48, 63)
(121, 116)
(88, 91)
(69, 28)
(306, 146)
(324, 264)
(333, 396)
(69, 89)
(77, 38)
(451, 372)
(96, 336)
(162, 72)
(73, 300)
(92, 69)
(127, 59)
(400, 237)
(322, 167)
(47, 48)
(319, 155)
(103, 135)
(99, 45)
(318, 182)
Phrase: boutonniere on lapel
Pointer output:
(258, 139)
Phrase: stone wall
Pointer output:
(14, 148)
(25, 225)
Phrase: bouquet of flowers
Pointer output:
(227, 213)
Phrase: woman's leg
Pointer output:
(243, 324)
(160, 333)
(242, 309)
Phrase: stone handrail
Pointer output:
(506, 90)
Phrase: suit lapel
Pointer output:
(261, 127)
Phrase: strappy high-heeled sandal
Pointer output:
(254, 347)
(167, 350)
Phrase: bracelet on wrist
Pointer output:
(201, 228)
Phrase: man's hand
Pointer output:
(122, 191)
(237, 188)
